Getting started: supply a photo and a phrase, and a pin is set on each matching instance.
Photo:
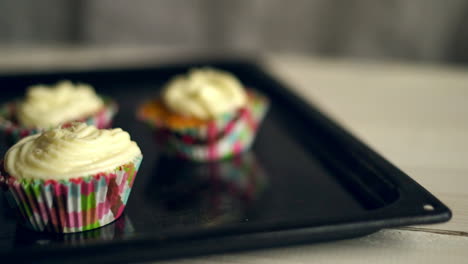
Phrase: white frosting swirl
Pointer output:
(49, 106)
(204, 93)
(75, 151)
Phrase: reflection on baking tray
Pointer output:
(121, 228)
(206, 194)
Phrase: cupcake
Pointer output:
(205, 115)
(71, 178)
(49, 106)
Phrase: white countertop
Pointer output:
(414, 115)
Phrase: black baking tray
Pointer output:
(305, 180)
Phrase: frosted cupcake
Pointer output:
(71, 179)
(45, 107)
(205, 115)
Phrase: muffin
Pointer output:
(49, 106)
(71, 178)
(205, 115)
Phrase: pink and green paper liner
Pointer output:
(75, 205)
(13, 131)
(223, 137)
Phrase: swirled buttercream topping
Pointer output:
(48, 106)
(75, 151)
(204, 93)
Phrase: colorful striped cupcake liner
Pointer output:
(13, 132)
(221, 138)
(201, 132)
(68, 206)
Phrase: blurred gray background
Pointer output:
(419, 30)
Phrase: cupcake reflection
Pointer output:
(206, 194)
(120, 229)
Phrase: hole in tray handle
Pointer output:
(428, 207)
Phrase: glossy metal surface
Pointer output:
(304, 180)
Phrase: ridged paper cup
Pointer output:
(228, 135)
(75, 205)
(13, 131)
